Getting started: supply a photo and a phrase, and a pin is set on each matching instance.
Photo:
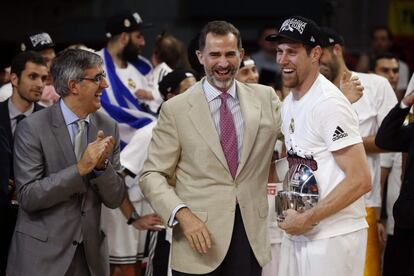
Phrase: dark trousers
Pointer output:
(161, 254)
(78, 266)
(240, 259)
(399, 253)
(8, 217)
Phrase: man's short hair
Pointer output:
(18, 63)
(218, 28)
(168, 49)
(387, 55)
(70, 64)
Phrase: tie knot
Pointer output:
(19, 118)
(81, 124)
(223, 96)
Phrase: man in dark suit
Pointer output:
(394, 136)
(65, 169)
(28, 78)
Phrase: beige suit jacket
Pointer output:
(185, 143)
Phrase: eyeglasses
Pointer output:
(97, 79)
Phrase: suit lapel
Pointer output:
(37, 107)
(204, 124)
(250, 108)
(61, 133)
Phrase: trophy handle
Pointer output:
(281, 168)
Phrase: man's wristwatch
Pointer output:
(105, 165)
(134, 216)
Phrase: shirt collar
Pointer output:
(14, 112)
(211, 92)
(68, 115)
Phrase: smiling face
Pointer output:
(221, 60)
(298, 67)
(29, 86)
(89, 91)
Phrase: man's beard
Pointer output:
(130, 52)
(333, 71)
(221, 84)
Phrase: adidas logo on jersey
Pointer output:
(339, 133)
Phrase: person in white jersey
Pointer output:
(387, 65)
(321, 131)
(378, 99)
(126, 100)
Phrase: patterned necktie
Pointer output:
(228, 135)
(79, 141)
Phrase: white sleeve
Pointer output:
(135, 153)
(337, 124)
(387, 159)
(386, 99)
(410, 86)
(404, 72)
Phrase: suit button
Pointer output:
(74, 243)
(83, 213)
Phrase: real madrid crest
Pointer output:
(292, 126)
(131, 84)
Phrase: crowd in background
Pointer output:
(134, 91)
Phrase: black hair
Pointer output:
(18, 63)
(218, 28)
(373, 61)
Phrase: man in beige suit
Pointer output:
(217, 140)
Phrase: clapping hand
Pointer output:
(96, 154)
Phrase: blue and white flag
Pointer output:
(120, 104)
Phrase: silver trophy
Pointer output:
(300, 191)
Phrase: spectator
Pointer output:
(269, 70)
(42, 43)
(382, 42)
(28, 77)
(66, 163)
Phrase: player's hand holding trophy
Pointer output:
(300, 191)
